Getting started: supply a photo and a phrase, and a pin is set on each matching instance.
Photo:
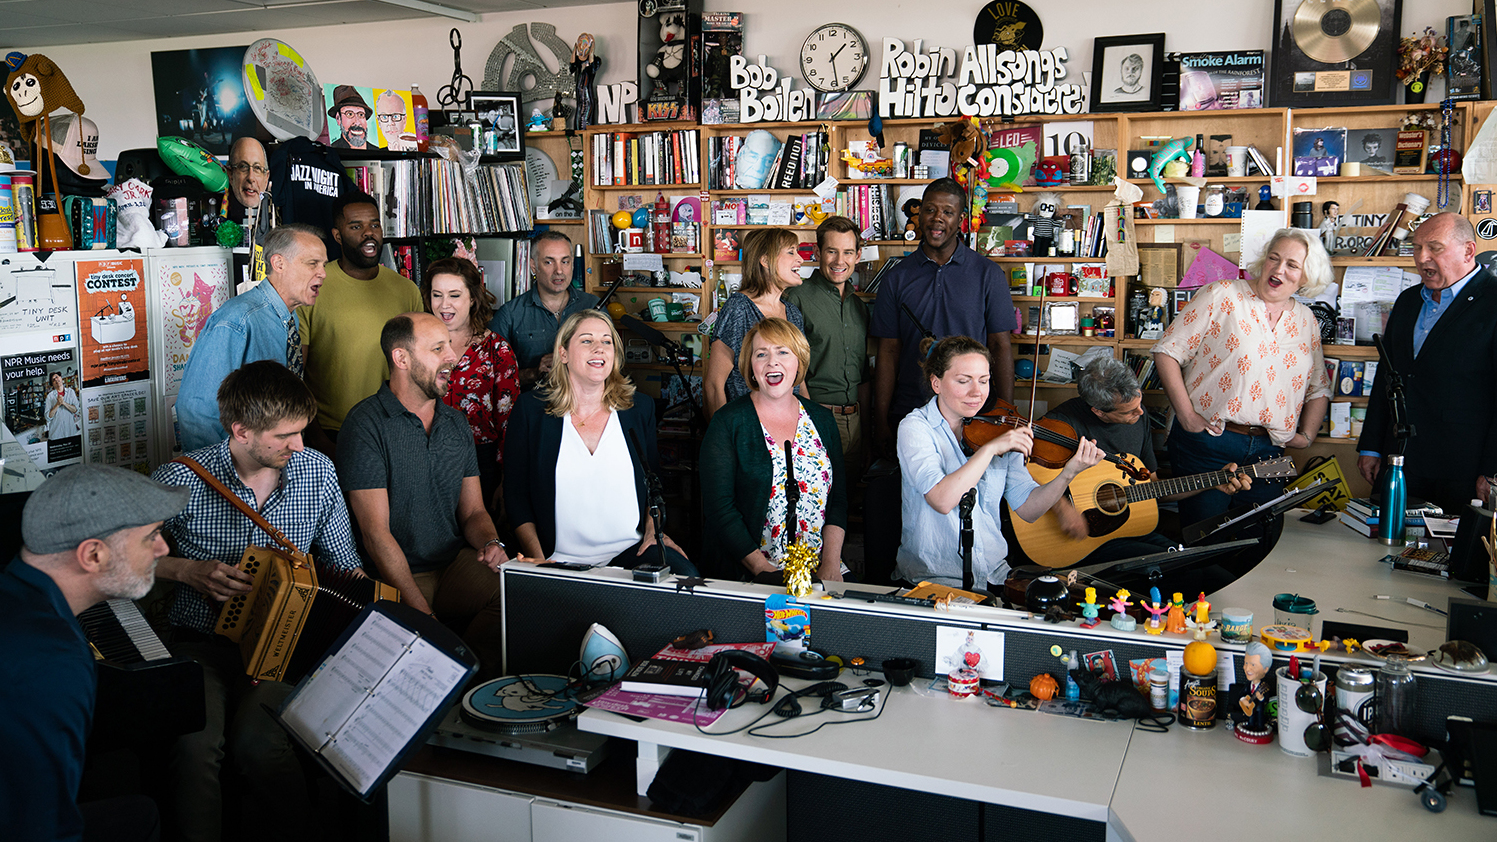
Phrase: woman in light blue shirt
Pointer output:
(936, 473)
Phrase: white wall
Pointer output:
(114, 80)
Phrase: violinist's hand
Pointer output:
(1087, 455)
(1238, 482)
(1018, 439)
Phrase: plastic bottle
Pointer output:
(423, 118)
(1394, 497)
(1395, 697)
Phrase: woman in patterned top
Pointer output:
(771, 265)
(743, 463)
(1243, 369)
(486, 380)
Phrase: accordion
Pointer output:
(292, 615)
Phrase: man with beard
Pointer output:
(262, 462)
(89, 533)
(528, 322)
(352, 114)
(408, 465)
(952, 291)
(344, 364)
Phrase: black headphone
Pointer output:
(722, 682)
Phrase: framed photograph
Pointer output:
(1373, 147)
(499, 116)
(1063, 318)
(1314, 68)
(1126, 72)
(1481, 201)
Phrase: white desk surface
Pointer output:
(961, 748)
(1105, 771)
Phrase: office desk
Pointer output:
(1124, 784)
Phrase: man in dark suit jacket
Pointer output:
(1442, 337)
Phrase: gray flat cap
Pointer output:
(94, 501)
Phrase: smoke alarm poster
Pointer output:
(112, 321)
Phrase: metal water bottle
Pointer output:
(1395, 497)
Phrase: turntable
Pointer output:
(529, 718)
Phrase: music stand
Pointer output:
(1235, 520)
(1150, 568)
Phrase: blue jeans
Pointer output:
(1200, 453)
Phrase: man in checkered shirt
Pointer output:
(264, 407)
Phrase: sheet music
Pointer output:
(379, 729)
(345, 680)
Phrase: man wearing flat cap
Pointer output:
(89, 533)
(352, 114)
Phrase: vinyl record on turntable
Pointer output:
(1335, 31)
(520, 704)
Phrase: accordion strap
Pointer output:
(301, 558)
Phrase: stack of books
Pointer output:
(1361, 514)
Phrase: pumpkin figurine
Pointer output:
(1043, 686)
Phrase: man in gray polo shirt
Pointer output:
(407, 463)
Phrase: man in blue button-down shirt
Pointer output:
(1442, 338)
(258, 325)
(528, 322)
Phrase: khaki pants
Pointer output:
(468, 591)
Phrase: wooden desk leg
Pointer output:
(651, 755)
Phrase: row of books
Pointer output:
(1143, 369)
(1362, 515)
(663, 157)
(797, 163)
(425, 196)
(871, 208)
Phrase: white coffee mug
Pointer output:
(1292, 720)
(1237, 161)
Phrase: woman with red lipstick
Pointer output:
(485, 382)
(935, 474)
(1243, 369)
(744, 469)
(578, 447)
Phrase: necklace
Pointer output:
(582, 420)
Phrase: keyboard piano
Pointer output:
(145, 693)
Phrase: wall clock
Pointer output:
(834, 57)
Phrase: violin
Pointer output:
(1055, 441)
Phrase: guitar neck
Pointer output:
(1179, 485)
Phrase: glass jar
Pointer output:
(1215, 199)
(1395, 697)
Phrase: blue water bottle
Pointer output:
(1395, 497)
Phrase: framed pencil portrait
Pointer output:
(1127, 71)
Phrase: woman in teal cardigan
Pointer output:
(743, 463)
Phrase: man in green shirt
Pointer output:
(837, 328)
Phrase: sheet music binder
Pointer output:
(377, 694)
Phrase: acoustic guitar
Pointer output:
(1115, 506)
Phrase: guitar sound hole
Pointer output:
(1112, 498)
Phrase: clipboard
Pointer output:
(377, 694)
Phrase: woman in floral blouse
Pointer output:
(1243, 369)
(486, 380)
(743, 462)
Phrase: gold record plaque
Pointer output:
(1334, 31)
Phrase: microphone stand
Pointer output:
(676, 352)
(654, 497)
(1398, 399)
(964, 511)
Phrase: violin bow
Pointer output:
(1034, 381)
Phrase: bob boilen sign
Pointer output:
(989, 82)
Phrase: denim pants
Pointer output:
(1200, 453)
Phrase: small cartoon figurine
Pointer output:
(1265, 199)
(1201, 609)
(1090, 609)
(1249, 714)
(1175, 622)
(537, 121)
(1157, 609)
(1120, 604)
(1153, 326)
(1044, 228)
(911, 210)
(1200, 621)
(1329, 224)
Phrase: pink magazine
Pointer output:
(674, 708)
(1207, 268)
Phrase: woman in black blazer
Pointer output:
(579, 439)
